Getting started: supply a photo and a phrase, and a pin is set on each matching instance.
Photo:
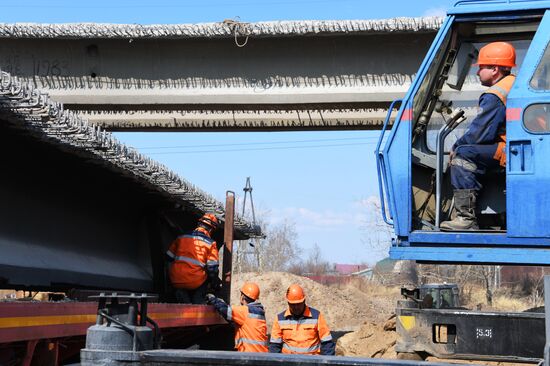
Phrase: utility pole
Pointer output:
(243, 246)
(248, 190)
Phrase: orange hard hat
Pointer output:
(497, 54)
(295, 294)
(209, 220)
(251, 290)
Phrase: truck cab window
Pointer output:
(541, 77)
(536, 118)
(465, 99)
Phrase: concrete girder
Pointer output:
(139, 78)
(70, 184)
(250, 120)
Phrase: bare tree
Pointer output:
(277, 252)
(487, 275)
(376, 233)
(314, 264)
(280, 249)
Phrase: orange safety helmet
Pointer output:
(497, 54)
(209, 220)
(295, 294)
(251, 290)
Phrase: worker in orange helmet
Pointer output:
(248, 319)
(194, 262)
(300, 329)
(482, 146)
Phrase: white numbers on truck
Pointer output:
(484, 333)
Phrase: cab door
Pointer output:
(528, 142)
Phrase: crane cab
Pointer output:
(415, 187)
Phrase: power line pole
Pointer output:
(243, 247)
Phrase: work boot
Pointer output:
(465, 205)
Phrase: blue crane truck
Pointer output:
(415, 189)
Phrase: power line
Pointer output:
(262, 148)
(374, 138)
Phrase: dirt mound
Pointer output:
(371, 340)
(344, 309)
(359, 314)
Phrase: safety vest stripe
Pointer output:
(229, 313)
(500, 90)
(189, 260)
(250, 341)
(300, 349)
(197, 237)
(464, 164)
(212, 263)
(327, 338)
(297, 322)
(256, 316)
(276, 340)
(170, 254)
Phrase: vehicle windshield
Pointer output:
(471, 36)
(466, 99)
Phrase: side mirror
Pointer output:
(466, 56)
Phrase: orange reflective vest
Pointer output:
(501, 90)
(250, 327)
(192, 253)
(301, 336)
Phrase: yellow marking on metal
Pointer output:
(35, 321)
(183, 315)
(408, 321)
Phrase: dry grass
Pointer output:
(371, 288)
(509, 304)
(472, 297)
(502, 301)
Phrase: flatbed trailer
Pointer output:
(56, 330)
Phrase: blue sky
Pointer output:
(184, 11)
(322, 181)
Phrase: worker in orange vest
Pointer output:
(194, 262)
(300, 329)
(248, 319)
(482, 145)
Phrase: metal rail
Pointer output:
(381, 167)
(216, 358)
(456, 118)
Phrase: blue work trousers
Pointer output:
(470, 163)
(196, 296)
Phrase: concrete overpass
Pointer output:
(222, 76)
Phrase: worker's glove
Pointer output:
(215, 283)
(210, 298)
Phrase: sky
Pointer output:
(323, 182)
